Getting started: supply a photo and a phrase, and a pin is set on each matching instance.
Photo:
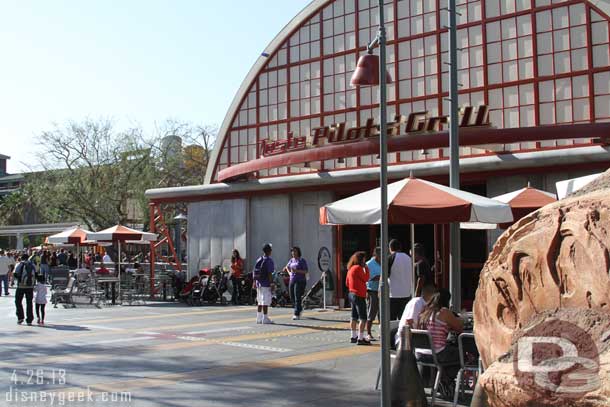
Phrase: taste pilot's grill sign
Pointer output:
(340, 133)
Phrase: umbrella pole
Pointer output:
(414, 277)
(119, 269)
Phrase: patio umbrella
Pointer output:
(415, 201)
(522, 202)
(120, 233)
(75, 236)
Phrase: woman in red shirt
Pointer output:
(237, 268)
(357, 276)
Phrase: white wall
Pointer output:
(269, 223)
(307, 233)
(215, 228)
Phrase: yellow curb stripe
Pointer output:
(200, 375)
(117, 352)
(70, 336)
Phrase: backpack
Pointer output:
(26, 274)
(258, 274)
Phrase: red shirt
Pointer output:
(237, 267)
(357, 276)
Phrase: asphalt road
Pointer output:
(164, 354)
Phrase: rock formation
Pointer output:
(552, 265)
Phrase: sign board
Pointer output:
(325, 265)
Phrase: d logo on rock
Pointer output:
(557, 359)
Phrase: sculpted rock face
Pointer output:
(554, 259)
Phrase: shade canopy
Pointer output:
(415, 201)
(74, 235)
(522, 202)
(526, 200)
(120, 233)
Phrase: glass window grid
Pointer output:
(561, 40)
(519, 5)
(510, 50)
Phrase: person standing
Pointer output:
(72, 261)
(400, 279)
(62, 258)
(372, 291)
(237, 269)
(45, 259)
(356, 279)
(423, 271)
(4, 270)
(25, 274)
(297, 267)
(262, 275)
(41, 299)
(106, 259)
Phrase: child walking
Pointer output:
(40, 291)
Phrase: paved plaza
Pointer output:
(164, 354)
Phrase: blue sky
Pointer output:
(134, 61)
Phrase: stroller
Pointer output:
(212, 284)
(314, 297)
(280, 295)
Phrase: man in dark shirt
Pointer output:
(423, 271)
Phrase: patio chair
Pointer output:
(469, 362)
(421, 341)
(65, 295)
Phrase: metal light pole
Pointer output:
(383, 181)
(371, 70)
(455, 277)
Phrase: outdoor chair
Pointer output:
(469, 362)
(65, 295)
(421, 340)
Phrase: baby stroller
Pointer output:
(313, 298)
(186, 293)
(280, 295)
(212, 285)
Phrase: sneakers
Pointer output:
(363, 342)
(370, 338)
(259, 318)
(296, 317)
(266, 320)
(38, 321)
(353, 340)
(20, 321)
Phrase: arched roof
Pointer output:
(270, 50)
(601, 7)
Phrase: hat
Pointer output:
(267, 247)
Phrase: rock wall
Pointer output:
(554, 259)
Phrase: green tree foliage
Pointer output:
(96, 175)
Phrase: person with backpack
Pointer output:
(262, 275)
(25, 274)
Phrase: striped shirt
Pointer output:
(439, 331)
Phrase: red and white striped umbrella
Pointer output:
(526, 200)
(74, 235)
(415, 201)
(120, 233)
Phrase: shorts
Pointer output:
(263, 295)
(372, 306)
(358, 307)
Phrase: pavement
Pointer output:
(169, 354)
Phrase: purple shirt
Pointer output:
(297, 264)
(267, 268)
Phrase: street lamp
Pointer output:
(371, 70)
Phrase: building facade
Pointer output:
(534, 87)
